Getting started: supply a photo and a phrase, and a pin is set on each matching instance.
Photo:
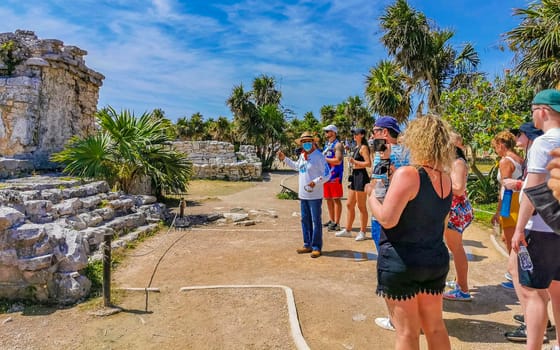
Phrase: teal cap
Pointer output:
(549, 97)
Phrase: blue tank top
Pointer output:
(336, 170)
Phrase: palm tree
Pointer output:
(536, 43)
(259, 118)
(126, 149)
(423, 51)
(265, 92)
(356, 111)
(388, 91)
(221, 130)
(328, 112)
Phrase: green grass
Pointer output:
(483, 213)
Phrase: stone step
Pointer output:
(122, 241)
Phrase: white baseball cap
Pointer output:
(330, 127)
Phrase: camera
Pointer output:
(379, 145)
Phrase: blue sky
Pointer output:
(186, 56)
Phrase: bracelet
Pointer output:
(518, 185)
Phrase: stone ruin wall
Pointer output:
(51, 96)
(218, 160)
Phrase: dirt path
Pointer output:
(334, 294)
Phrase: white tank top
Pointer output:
(517, 174)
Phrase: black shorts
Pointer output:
(543, 248)
(358, 180)
(397, 279)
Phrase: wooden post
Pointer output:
(107, 271)
(182, 208)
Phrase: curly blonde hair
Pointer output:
(506, 138)
(429, 141)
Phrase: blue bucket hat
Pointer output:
(530, 131)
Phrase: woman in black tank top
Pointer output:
(413, 260)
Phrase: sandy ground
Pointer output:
(334, 294)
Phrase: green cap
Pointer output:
(549, 97)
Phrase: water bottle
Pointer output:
(375, 232)
(525, 259)
(506, 203)
(379, 189)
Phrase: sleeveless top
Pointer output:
(358, 156)
(517, 174)
(418, 236)
(336, 170)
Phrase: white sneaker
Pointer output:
(508, 276)
(343, 233)
(361, 236)
(385, 323)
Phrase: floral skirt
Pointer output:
(461, 214)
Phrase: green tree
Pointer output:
(259, 119)
(328, 112)
(126, 149)
(536, 43)
(221, 130)
(479, 112)
(388, 91)
(424, 51)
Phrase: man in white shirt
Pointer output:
(538, 277)
(314, 171)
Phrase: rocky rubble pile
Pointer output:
(51, 226)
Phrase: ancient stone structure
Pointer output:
(50, 227)
(49, 97)
(218, 160)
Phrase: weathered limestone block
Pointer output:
(26, 236)
(68, 206)
(40, 277)
(127, 222)
(70, 248)
(76, 222)
(236, 217)
(68, 287)
(143, 200)
(10, 198)
(8, 257)
(52, 194)
(10, 217)
(154, 212)
(91, 201)
(31, 195)
(38, 207)
(106, 213)
(9, 274)
(91, 219)
(121, 204)
(35, 263)
(95, 235)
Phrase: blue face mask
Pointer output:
(307, 146)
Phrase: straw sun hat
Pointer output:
(307, 137)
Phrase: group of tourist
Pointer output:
(417, 196)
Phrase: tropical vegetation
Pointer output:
(125, 150)
(423, 72)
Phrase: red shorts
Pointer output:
(332, 189)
